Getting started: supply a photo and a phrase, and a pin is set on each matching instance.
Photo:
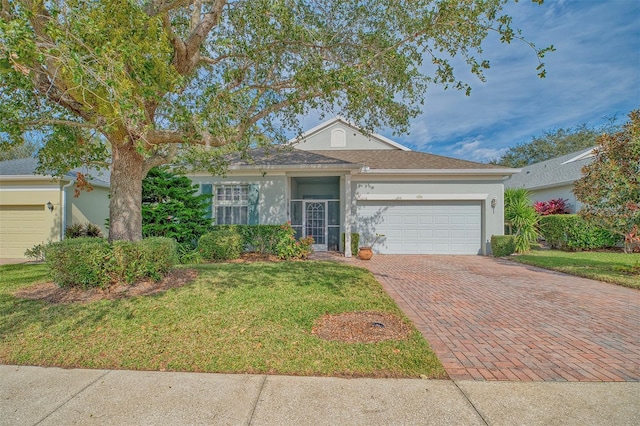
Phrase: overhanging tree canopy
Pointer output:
(127, 83)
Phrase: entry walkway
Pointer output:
(492, 319)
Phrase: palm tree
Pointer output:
(521, 218)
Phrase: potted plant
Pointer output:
(366, 252)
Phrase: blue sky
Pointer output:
(593, 74)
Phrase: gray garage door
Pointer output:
(417, 227)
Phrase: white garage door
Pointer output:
(21, 227)
(421, 227)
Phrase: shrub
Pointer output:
(92, 230)
(149, 258)
(555, 206)
(92, 262)
(79, 262)
(79, 230)
(276, 240)
(288, 248)
(355, 242)
(36, 252)
(571, 232)
(503, 245)
(221, 244)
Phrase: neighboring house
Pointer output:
(36, 209)
(338, 180)
(553, 178)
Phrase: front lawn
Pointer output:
(616, 268)
(235, 318)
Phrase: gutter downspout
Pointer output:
(64, 208)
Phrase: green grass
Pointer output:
(616, 268)
(235, 318)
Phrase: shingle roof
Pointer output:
(396, 159)
(27, 167)
(374, 159)
(556, 171)
(19, 167)
(283, 157)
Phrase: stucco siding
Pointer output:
(354, 140)
(89, 207)
(272, 203)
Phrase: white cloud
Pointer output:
(593, 75)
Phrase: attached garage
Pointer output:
(36, 209)
(422, 227)
(21, 228)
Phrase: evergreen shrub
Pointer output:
(503, 245)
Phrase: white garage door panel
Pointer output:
(420, 227)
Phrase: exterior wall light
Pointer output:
(49, 206)
(494, 201)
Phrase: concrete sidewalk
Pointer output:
(53, 396)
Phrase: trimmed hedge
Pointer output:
(355, 242)
(276, 240)
(221, 244)
(571, 232)
(152, 258)
(503, 245)
(92, 262)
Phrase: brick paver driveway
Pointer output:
(491, 319)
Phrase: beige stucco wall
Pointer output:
(26, 220)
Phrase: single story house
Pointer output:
(36, 209)
(336, 180)
(554, 178)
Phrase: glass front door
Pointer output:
(316, 223)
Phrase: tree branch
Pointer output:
(187, 53)
(158, 7)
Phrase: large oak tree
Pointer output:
(127, 84)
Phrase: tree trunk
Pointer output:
(125, 205)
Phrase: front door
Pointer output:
(315, 215)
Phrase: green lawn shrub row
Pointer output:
(93, 262)
(227, 242)
(503, 245)
(571, 232)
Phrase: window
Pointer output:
(232, 204)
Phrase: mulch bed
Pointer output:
(51, 293)
(361, 327)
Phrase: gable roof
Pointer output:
(261, 157)
(558, 171)
(404, 160)
(322, 126)
(25, 168)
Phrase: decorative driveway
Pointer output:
(492, 319)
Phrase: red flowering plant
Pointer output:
(555, 206)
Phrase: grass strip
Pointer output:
(615, 268)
